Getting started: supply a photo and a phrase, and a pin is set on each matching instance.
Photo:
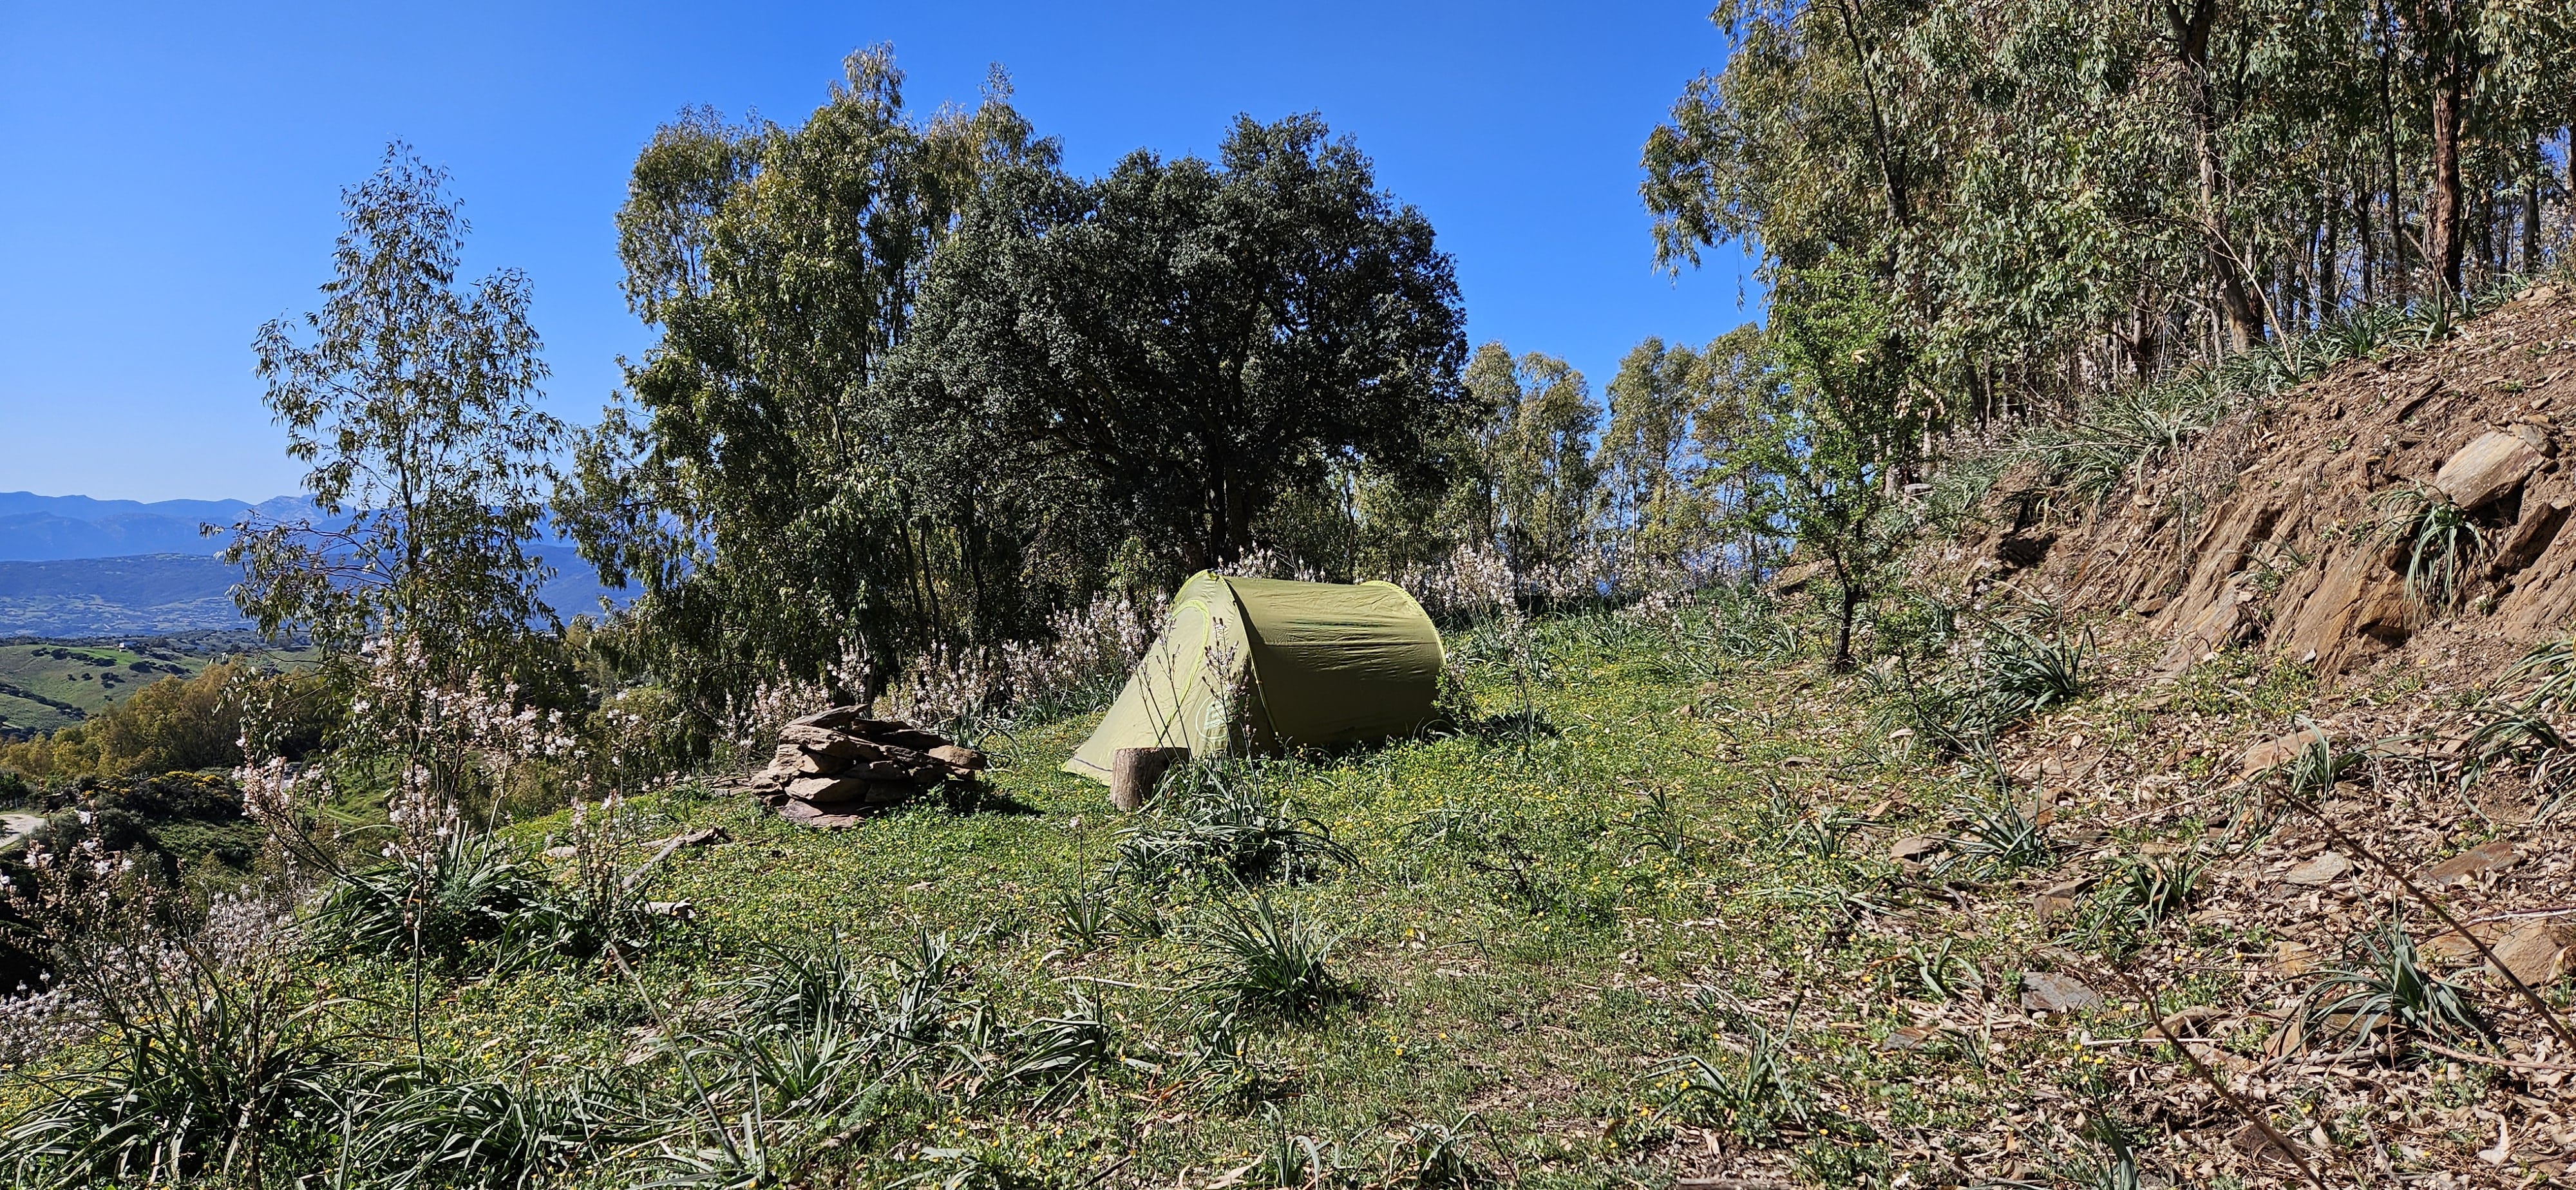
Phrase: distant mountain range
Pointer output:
(37, 528)
(71, 566)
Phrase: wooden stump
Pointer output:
(1134, 772)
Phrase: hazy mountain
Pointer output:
(37, 528)
(74, 566)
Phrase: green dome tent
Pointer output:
(1254, 663)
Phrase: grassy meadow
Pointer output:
(1635, 918)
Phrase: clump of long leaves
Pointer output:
(1213, 821)
(2383, 985)
(2521, 730)
(1754, 1099)
(2000, 840)
(226, 1078)
(478, 901)
(1260, 958)
(2442, 545)
(1955, 695)
(450, 906)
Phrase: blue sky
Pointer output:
(174, 170)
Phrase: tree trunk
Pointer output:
(2362, 237)
(1843, 628)
(2191, 30)
(2444, 244)
(2531, 215)
(2403, 282)
(1135, 772)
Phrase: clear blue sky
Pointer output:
(173, 171)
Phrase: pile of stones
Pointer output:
(834, 766)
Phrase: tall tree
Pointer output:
(1650, 473)
(415, 404)
(1179, 343)
(1819, 454)
(1538, 439)
(749, 487)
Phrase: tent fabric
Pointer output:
(1315, 663)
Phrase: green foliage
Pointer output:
(748, 490)
(2441, 543)
(2036, 183)
(1256, 957)
(414, 404)
(1439, 1157)
(479, 902)
(1816, 460)
(1751, 1100)
(1538, 419)
(2385, 985)
(229, 1083)
(173, 823)
(2012, 674)
(457, 905)
(1213, 821)
(2001, 840)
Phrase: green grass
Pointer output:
(47, 686)
(1531, 932)
(43, 687)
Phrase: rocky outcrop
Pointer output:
(2268, 531)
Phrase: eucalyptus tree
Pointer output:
(1820, 448)
(2059, 199)
(1165, 353)
(746, 482)
(1650, 491)
(414, 402)
(1540, 420)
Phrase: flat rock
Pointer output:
(824, 741)
(958, 756)
(1914, 849)
(2061, 898)
(832, 719)
(2535, 953)
(2488, 469)
(2323, 868)
(808, 814)
(1906, 1037)
(2293, 958)
(828, 789)
(2047, 991)
(2280, 750)
(2471, 864)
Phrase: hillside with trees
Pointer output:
(2074, 695)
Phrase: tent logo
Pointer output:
(1212, 719)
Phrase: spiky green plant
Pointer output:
(1214, 822)
(2442, 544)
(2001, 839)
(2383, 983)
(1750, 1100)
(1260, 958)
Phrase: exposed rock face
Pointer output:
(833, 765)
(2264, 533)
(2491, 467)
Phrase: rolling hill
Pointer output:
(76, 567)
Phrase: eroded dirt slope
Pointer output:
(2267, 531)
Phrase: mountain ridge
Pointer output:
(78, 566)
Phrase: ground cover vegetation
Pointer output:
(1763, 839)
